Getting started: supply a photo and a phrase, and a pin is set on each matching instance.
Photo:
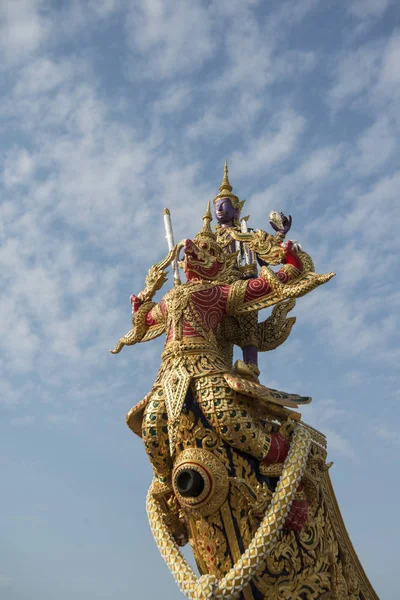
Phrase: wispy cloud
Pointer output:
(365, 9)
(161, 46)
(277, 144)
(384, 432)
(329, 417)
(24, 27)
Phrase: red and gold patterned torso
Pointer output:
(183, 308)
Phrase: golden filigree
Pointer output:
(266, 246)
(157, 275)
(213, 556)
(139, 329)
(209, 587)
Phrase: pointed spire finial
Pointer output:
(225, 191)
(225, 185)
(207, 218)
(206, 233)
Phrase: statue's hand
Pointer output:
(280, 222)
(136, 302)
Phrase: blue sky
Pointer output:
(112, 110)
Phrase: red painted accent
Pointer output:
(256, 288)
(278, 449)
(210, 305)
(136, 302)
(291, 257)
(297, 516)
(150, 320)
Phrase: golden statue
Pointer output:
(236, 472)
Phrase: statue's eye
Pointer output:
(204, 245)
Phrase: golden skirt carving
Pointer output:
(318, 562)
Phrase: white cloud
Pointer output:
(350, 328)
(24, 27)
(353, 377)
(320, 163)
(354, 74)
(367, 79)
(375, 146)
(273, 146)
(329, 417)
(84, 180)
(238, 115)
(168, 39)
(42, 75)
(249, 55)
(364, 9)
(103, 8)
(256, 53)
(386, 433)
(76, 16)
(303, 185)
(173, 99)
(18, 168)
(290, 13)
(388, 86)
(337, 444)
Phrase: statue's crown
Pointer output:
(206, 240)
(225, 191)
(206, 233)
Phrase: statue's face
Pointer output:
(225, 211)
(200, 261)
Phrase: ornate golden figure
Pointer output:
(233, 235)
(236, 472)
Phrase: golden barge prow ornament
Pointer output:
(236, 472)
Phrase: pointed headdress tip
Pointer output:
(225, 185)
(225, 190)
(206, 232)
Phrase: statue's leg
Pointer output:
(155, 436)
(230, 415)
(248, 324)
